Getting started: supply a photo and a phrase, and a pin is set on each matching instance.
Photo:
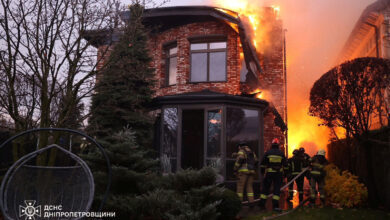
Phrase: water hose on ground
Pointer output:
(283, 187)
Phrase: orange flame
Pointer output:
(253, 14)
(276, 10)
(262, 94)
(303, 130)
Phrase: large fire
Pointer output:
(262, 94)
(246, 10)
(303, 129)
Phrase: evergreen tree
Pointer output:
(120, 121)
(133, 172)
(139, 191)
(124, 88)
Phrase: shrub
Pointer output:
(188, 179)
(230, 205)
(193, 204)
(344, 188)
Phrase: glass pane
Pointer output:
(202, 46)
(230, 170)
(172, 70)
(243, 71)
(168, 165)
(217, 165)
(218, 45)
(214, 133)
(173, 165)
(170, 123)
(192, 139)
(242, 125)
(199, 67)
(218, 66)
(173, 51)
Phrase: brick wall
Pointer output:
(272, 77)
(181, 35)
(273, 81)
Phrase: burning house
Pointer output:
(215, 88)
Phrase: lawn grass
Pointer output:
(329, 214)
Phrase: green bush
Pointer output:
(188, 179)
(168, 204)
(230, 205)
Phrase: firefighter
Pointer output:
(272, 166)
(304, 155)
(245, 170)
(296, 165)
(306, 160)
(317, 174)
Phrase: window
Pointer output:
(214, 133)
(242, 125)
(208, 62)
(243, 71)
(171, 65)
(169, 138)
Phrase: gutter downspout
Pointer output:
(285, 88)
(376, 37)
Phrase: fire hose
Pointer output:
(283, 187)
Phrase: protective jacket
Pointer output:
(245, 162)
(317, 164)
(295, 165)
(273, 161)
(306, 159)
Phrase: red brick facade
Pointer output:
(181, 35)
(273, 81)
(272, 78)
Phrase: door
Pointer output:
(192, 147)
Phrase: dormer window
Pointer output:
(171, 64)
(208, 62)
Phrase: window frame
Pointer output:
(167, 47)
(207, 107)
(208, 40)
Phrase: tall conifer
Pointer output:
(124, 87)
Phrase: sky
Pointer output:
(316, 32)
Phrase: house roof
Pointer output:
(207, 96)
(160, 19)
(168, 17)
(367, 19)
(211, 97)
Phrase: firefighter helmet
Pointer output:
(275, 141)
(295, 152)
(302, 150)
(321, 152)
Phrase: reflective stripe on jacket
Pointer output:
(274, 161)
(241, 164)
(317, 164)
(295, 164)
